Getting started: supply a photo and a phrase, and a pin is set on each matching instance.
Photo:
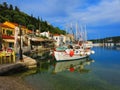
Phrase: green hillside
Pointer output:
(13, 14)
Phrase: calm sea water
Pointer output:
(99, 72)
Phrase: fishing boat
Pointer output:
(81, 49)
(71, 53)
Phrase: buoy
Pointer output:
(92, 52)
(88, 53)
(72, 69)
(71, 53)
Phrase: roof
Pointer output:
(42, 40)
(29, 31)
(38, 39)
(9, 24)
(5, 26)
(12, 25)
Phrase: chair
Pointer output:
(2, 57)
(13, 57)
(8, 57)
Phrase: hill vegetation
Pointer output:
(13, 14)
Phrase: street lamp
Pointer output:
(20, 50)
(31, 43)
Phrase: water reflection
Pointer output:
(46, 63)
(39, 55)
(71, 66)
(77, 65)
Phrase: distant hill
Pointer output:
(13, 14)
(115, 39)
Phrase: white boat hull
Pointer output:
(62, 56)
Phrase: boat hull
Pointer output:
(62, 56)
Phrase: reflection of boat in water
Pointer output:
(76, 65)
(55, 67)
(117, 47)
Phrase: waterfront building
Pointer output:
(69, 38)
(7, 35)
(59, 39)
(46, 34)
(63, 39)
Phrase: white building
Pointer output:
(60, 39)
(46, 34)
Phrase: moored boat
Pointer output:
(71, 53)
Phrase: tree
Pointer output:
(5, 5)
(30, 26)
(15, 15)
(9, 32)
(1, 7)
(17, 9)
(11, 7)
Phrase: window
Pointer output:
(56, 38)
(3, 31)
(10, 44)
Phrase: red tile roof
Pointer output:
(29, 31)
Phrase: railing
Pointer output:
(7, 57)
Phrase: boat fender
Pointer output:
(71, 53)
(92, 52)
(88, 53)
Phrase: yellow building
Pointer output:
(8, 32)
(13, 25)
(7, 35)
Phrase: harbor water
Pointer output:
(101, 71)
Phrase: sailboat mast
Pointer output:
(76, 31)
(85, 33)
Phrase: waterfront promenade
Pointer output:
(16, 82)
(27, 62)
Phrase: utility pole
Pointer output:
(0, 38)
(20, 50)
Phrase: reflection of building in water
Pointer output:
(77, 65)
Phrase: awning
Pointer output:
(38, 39)
(9, 40)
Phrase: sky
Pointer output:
(100, 17)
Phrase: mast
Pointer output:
(71, 30)
(76, 31)
(82, 34)
(85, 33)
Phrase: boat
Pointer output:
(71, 53)
(79, 50)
